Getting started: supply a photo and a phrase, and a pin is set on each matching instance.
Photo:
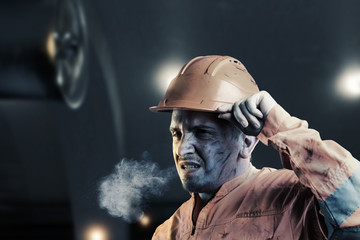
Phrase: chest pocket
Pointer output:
(244, 228)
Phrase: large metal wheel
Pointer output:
(70, 37)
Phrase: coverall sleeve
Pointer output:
(328, 169)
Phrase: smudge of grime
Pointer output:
(309, 152)
(224, 235)
(325, 173)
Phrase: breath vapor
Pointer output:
(124, 192)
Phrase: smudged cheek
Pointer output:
(216, 158)
(220, 148)
(223, 163)
(213, 151)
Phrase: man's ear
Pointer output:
(248, 144)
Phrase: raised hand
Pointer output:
(249, 115)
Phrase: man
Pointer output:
(218, 116)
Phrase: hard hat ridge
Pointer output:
(207, 82)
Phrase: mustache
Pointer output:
(190, 157)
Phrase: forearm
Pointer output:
(324, 166)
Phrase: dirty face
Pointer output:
(206, 150)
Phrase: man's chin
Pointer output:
(193, 186)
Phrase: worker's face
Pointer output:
(206, 150)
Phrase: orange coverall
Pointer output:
(316, 197)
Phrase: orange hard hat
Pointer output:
(206, 83)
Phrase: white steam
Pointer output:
(123, 193)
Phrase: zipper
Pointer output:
(194, 223)
(193, 230)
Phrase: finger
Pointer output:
(252, 106)
(225, 108)
(225, 116)
(250, 117)
(239, 116)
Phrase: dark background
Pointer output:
(52, 158)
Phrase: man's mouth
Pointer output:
(189, 165)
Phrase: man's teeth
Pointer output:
(189, 166)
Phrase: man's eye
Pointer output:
(176, 134)
(202, 133)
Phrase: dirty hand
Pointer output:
(249, 115)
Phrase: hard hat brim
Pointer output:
(170, 109)
(203, 106)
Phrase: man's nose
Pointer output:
(186, 145)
